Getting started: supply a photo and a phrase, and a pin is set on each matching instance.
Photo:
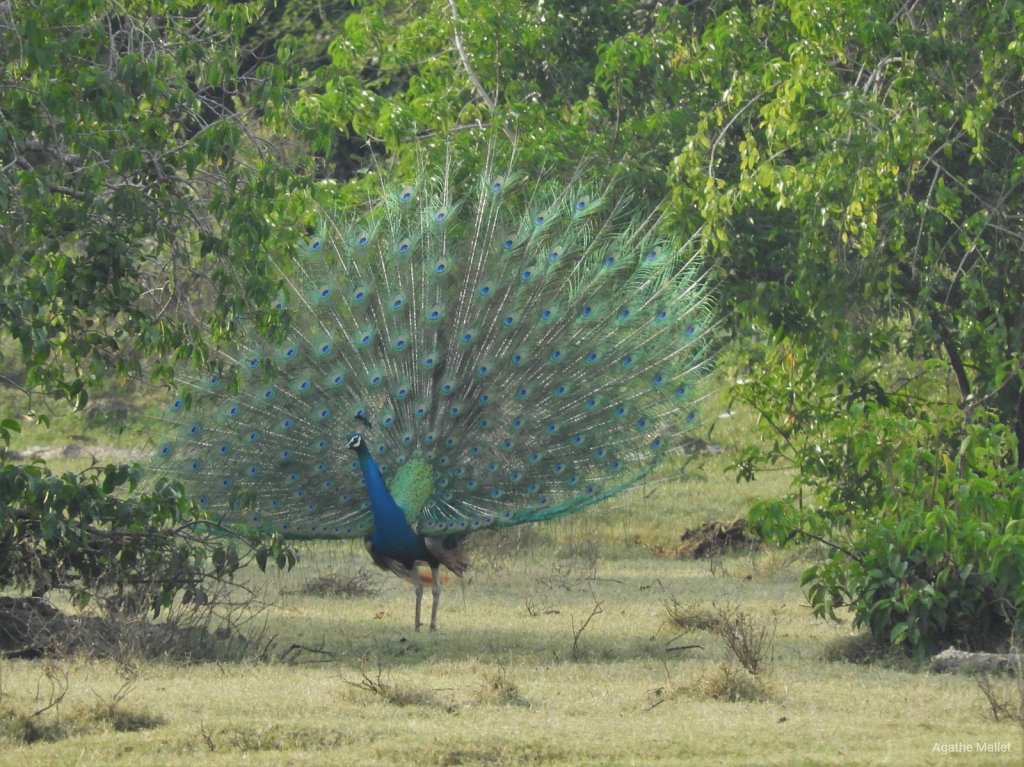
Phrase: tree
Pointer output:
(861, 181)
(138, 196)
(565, 80)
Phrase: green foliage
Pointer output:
(568, 80)
(857, 169)
(137, 196)
(859, 204)
(72, 533)
(923, 522)
(131, 187)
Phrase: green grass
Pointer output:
(507, 679)
(107, 430)
(558, 648)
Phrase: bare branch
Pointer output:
(464, 58)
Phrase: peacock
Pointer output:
(462, 352)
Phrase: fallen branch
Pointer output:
(976, 662)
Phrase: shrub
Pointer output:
(127, 556)
(923, 521)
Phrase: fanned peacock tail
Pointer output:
(511, 350)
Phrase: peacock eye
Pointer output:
(491, 350)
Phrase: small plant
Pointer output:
(750, 641)
(929, 551)
(577, 631)
(23, 727)
(57, 678)
(729, 682)
(572, 574)
(863, 649)
(498, 689)
(691, 617)
(379, 684)
(726, 681)
(121, 719)
(72, 533)
(112, 712)
(361, 583)
(1005, 698)
(47, 720)
(539, 605)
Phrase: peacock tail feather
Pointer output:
(512, 350)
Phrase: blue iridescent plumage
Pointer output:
(508, 355)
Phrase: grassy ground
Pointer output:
(559, 648)
(517, 674)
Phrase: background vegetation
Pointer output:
(855, 170)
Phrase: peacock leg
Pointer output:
(435, 574)
(417, 584)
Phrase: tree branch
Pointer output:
(473, 78)
(830, 544)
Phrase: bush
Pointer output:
(73, 533)
(932, 551)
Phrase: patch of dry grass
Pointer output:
(523, 670)
(498, 685)
(360, 583)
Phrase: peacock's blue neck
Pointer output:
(391, 532)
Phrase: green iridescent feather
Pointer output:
(412, 486)
(522, 348)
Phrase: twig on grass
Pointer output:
(577, 632)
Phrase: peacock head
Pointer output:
(357, 442)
